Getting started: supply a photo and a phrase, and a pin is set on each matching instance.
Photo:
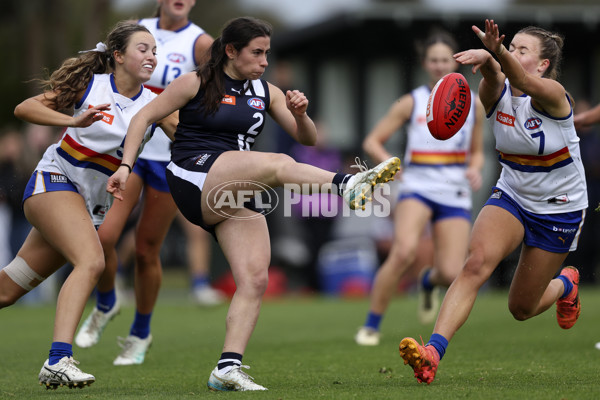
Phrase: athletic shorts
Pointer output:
(186, 180)
(152, 173)
(556, 233)
(44, 182)
(439, 211)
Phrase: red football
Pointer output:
(448, 106)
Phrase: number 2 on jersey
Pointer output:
(246, 140)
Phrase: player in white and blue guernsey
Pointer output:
(434, 193)
(66, 199)
(214, 174)
(180, 47)
(539, 201)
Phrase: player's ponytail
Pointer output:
(211, 77)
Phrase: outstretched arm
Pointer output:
(549, 95)
(40, 110)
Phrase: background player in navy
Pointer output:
(539, 200)
(222, 111)
(65, 200)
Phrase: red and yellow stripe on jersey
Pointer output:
(81, 156)
(529, 163)
(438, 158)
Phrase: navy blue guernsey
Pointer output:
(234, 126)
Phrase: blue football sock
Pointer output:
(425, 282)
(439, 342)
(373, 320)
(199, 281)
(105, 301)
(568, 285)
(59, 350)
(141, 325)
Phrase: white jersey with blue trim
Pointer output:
(436, 169)
(540, 157)
(175, 56)
(89, 156)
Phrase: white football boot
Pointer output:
(367, 336)
(360, 187)
(208, 296)
(234, 380)
(64, 373)
(134, 350)
(91, 329)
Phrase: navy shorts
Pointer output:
(439, 211)
(152, 173)
(186, 180)
(556, 233)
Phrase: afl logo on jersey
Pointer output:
(176, 58)
(256, 103)
(533, 123)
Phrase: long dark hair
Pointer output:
(238, 32)
(75, 73)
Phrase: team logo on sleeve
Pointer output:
(256, 103)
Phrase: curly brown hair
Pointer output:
(75, 74)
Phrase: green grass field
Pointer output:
(303, 348)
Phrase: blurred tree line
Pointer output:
(37, 35)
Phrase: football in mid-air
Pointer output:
(448, 106)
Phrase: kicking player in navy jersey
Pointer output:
(66, 199)
(222, 109)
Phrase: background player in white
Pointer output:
(539, 200)
(181, 45)
(66, 198)
(435, 188)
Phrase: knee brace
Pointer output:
(21, 273)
